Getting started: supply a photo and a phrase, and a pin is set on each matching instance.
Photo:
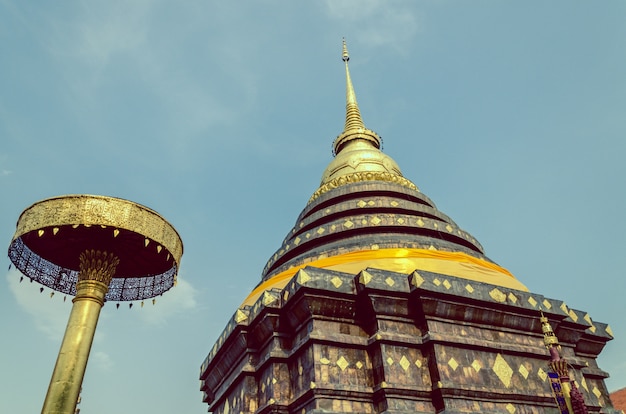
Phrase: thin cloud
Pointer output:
(49, 314)
(181, 298)
(95, 35)
(95, 44)
(101, 360)
(4, 158)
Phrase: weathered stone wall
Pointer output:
(383, 342)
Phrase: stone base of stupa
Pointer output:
(383, 342)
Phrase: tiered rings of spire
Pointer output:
(357, 150)
(366, 214)
(354, 128)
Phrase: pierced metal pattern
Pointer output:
(64, 280)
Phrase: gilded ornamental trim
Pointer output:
(362, 176)
(86, 210)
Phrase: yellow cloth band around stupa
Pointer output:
(405, 261)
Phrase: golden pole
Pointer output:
(96, 270)
(560, 367)
(567, 391)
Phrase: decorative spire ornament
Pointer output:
(353, 115)
(354, 128)
(566, 394)
(357, 150)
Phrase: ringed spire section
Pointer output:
(367, 214)
(357, 150)
(354, 128)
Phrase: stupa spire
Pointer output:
(354, 128)
(353, 115)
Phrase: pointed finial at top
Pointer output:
(550, 340)
(357, 150)
(354, 128)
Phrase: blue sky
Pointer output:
(221, 115)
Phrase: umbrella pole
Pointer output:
(96, 270)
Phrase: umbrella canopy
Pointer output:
(51, 234)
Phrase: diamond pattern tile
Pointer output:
(337, 282)
(342, 363)
(542, 374)
(503, 370)
(365, 277)
(404, 363)
(497, 295)
(596, 392)
(523, 371)
(476, 365)
(302, 277)
(240, 316)
(417, 279)
(268, 298)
